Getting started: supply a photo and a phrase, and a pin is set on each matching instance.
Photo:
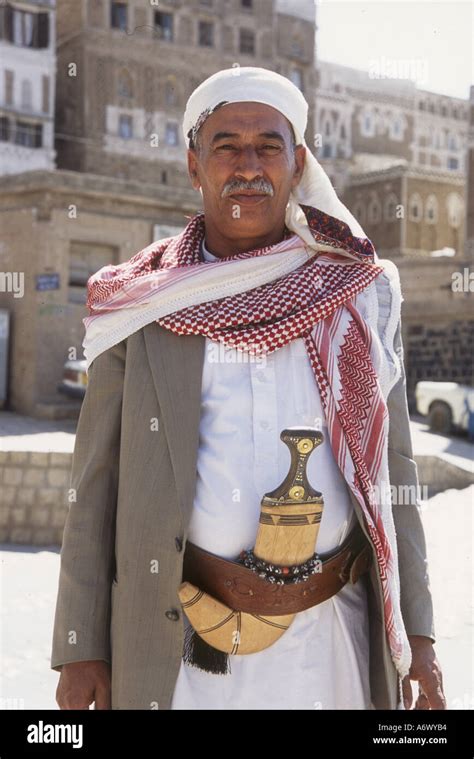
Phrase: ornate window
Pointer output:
(26, 95)
(374, 210)
(171, 96)
(171, 134)
(164, 25)
(206, 34)
(359, 211)
(368, 125)
(415, 207)
(431, 209)
(247, 42)
(125, 127)
(125, 84)
(391, 203)
(455, 207)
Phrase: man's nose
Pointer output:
(249, 165)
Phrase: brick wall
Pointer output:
(33, 496)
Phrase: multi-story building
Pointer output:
(407, 210)
(27, 85)
(126, 69)
(383, 121)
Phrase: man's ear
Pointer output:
(300, 158)
(193, 168)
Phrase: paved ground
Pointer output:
(456, 449)
(29, 576)
(22, 433)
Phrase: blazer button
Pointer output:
(179, 544)
(172, 614)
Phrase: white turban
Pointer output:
(248, 83)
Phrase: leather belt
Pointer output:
(238, 587)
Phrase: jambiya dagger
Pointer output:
(244, 606)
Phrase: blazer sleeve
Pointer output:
(81, 629)
(416, 600)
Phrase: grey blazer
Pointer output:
(135, 487)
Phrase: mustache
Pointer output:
(259, 185)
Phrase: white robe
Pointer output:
(322, 660)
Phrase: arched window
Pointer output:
(455, 208)
(343, 132)
(452, 142)
(171, 96)
(415, 207)
(391, 203)
(359, 211)
(26, 95)
(374, 210)
(396, 126)
(125, 84)
(431, 209)
(296, 47)
(368, 124)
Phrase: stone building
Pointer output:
(398, 156)
(126, 69)
(386, 121)
(27, 85)
(58, 228)
(406, 210)
(416, 217)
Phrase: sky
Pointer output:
(431, 42)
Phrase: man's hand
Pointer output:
(424, 668)
(83, 682)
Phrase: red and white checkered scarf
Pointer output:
(315, 301)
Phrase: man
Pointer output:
(178, 438)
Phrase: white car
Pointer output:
(446, 404)
(74, 381)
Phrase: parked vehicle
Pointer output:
(447, 405)
(74, 381)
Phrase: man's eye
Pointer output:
(222, 147)
(271, 147)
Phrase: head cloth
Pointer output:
(259, 85)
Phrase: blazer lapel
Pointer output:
(176, 363)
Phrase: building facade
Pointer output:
(409, 211)
(378, 121)
(27, 85)
(58, 229)
(126, 70)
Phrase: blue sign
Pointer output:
(47, 281)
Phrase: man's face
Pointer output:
(246, 167)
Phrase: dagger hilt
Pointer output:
(296, 488)
(291, 514)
